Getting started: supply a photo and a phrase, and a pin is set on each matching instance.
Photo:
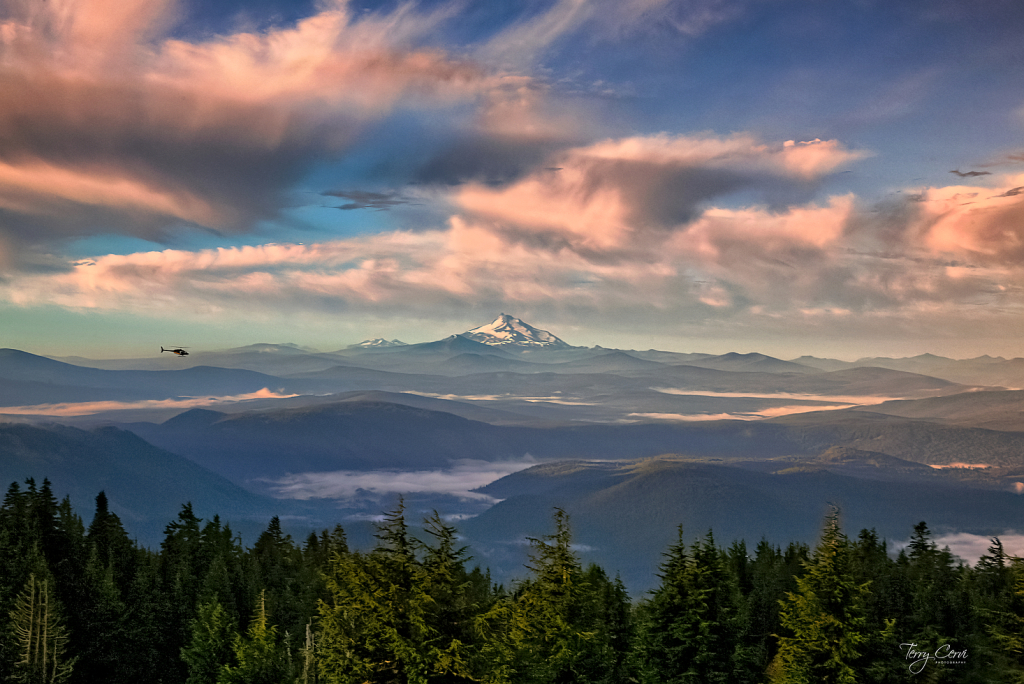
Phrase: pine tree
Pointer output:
(375, 626)
(824, 619)
(690, 634)
(40, 635)
(261, 658)
(211, 646)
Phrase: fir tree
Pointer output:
(260, 658)
(450, 611)
(211, 647)
(551, 629)
(690, 634)
(374, 627)
(824, 619)
(40, 636)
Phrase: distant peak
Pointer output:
(378, 342)
(509, 331)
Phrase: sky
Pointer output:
(792, 177)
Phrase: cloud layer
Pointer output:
(457, 481)
(629, 227)
(88, 408)
(112, 123)
(106, 125)
(109, 125)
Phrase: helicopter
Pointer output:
(180, 351)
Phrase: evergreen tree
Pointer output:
(548, 608)
(944, 606)
(690, 631)
(112, 546)
(375, 626)
(101, 612)
(884, 660)
(261, 658)
(609, 611)
(39, 633)
(1007, 628)
(211, 647)
(450, 609)
(553, 629)
(824, 619)
(143, 637)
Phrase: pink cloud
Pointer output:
(603, 20)
(108, 125)
(87, 408)
(985, 224)
(815, 158)
(590, 237)
(621, 194)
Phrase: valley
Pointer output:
(497, 426)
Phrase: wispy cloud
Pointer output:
(773, 412)
(457, 481)
(363, 199)
(604, 20)
(643, 230)
(109, 125)
(86, 408)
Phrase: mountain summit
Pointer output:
(378, 343)
(509, 331)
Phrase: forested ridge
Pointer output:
(87, 604)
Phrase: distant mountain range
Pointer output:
(377, 343)
(624, 512)
(629, 442)
(256, 448)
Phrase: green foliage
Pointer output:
(690, 631)
(945, 606)
(562, 624)
(408, 611)
(211, 646)
(39, 634)
(260, 657)
(824, 620)
(394, 616)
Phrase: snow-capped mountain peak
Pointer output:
(509, 331)
(378, 342)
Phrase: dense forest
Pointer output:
(87, 604)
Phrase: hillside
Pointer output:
(995, 410)
(146, 486)
(625, 514)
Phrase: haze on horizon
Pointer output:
(790, 177)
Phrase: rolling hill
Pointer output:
(624, 515)
(146, 486)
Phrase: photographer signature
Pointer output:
(943, 655)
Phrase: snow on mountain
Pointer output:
(377, 343)
(509, 331)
